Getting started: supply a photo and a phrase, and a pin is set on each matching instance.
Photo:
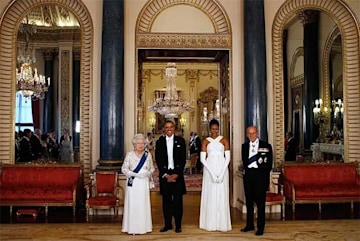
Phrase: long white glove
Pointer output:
(204, 162)
(225, 167)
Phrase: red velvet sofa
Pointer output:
(39, 186)
(321, 183)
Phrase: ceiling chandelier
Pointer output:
(170, 105)
(28, 81)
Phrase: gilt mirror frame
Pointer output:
(9, 24)
(349, 29)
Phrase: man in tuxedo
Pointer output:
(170, 155)
(257, 157)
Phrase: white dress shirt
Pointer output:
(253, 150)
(170, 147)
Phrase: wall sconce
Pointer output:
(152, 121)
(321, 118)
(183, 122)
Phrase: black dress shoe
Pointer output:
(165, 229)
(247, 229)
(259, 232)
(178, 230)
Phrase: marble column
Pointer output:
(76, 96)
(287, 87)
(255, 67)
(310, 21)
(48, 120)
(112, 84)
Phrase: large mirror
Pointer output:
(48, 86)
(313, 107)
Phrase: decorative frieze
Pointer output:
(176, 40)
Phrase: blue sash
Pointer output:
(252, 159)
(137, 168)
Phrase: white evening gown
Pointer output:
(215, 207)
(137, 208)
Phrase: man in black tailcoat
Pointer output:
(257, 157)
(170, 155)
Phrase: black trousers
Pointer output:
(256, 183)
(172, 203)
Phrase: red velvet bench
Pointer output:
(321, 183)
(39, 186)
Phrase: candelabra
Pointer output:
(321, 118)
(338, 110)
(338, 115)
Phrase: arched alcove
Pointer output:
(349, 28)
(10, 21)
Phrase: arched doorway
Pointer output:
(172, 42)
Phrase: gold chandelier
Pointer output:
(170, 105)
(28, 81)
(31, 85)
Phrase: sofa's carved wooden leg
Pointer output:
(319, 207)
(46, 210)
(87, 213)
(293, 206)
(352, 206)
(10, 211)
(74, 210)
(283, 211)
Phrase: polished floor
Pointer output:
(336, 223)
(191, 213)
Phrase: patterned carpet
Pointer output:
(334, 230)
(193, 181)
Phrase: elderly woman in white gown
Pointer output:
(138, 168)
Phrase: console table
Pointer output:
(319, 149)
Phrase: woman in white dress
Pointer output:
(137, 209)
(215, 206)
(66, 148)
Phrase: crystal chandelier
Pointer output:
(30, 85)
(170, 105)
(28, 81)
